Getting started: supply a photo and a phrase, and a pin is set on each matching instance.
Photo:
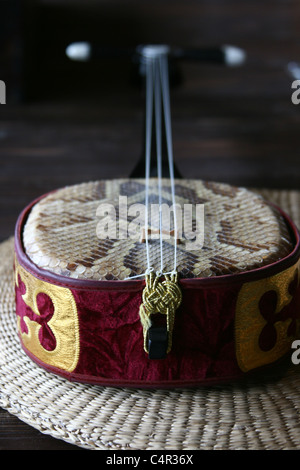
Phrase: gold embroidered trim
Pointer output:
(63, 324)
(249, 321)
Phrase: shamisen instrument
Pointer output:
(156, 280)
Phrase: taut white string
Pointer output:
(149, 118)
(158, 92)
(167, 115)
(157, 77)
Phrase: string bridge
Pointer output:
(160, 234)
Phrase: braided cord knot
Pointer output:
(160, 297)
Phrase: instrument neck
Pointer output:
(148, 54)
(140, 168)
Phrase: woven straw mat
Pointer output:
(259, 414)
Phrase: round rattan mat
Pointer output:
(262, 413)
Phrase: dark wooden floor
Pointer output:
(83, 122)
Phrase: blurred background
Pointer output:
(66, 122)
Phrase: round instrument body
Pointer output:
(81, 249)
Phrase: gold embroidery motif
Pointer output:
(63, 324)
(249, 321)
